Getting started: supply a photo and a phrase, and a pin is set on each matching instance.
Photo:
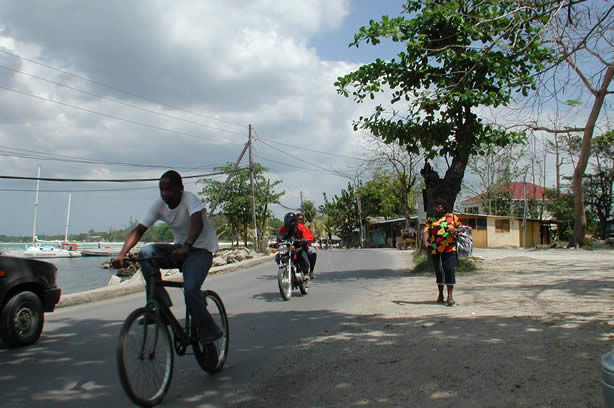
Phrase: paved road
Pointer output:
(73, 364)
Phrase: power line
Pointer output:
(105, 190)
(118, 101)
(76, 191)
(312, 150)
(111, 180)
(106, 115)
(38, 155)
(330, 171)
(116, 89)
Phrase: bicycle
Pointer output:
(145, 357)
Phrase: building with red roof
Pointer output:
(514, 191)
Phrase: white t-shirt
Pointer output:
(178, 220)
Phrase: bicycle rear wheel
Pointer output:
(145, 357)
(212, 357)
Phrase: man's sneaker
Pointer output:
(312, 275)
(210, 336)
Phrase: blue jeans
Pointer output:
(195, 269)
(445, 268)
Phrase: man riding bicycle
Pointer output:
(195, 242)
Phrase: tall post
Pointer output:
(362, 245)
(38, 176)
(524, 215)
(67, 218)
(251, 182)
(230, 175)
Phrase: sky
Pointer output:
(125, 90)
(122, 90)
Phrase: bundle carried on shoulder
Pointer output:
(464, 241)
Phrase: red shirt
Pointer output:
(302, 232)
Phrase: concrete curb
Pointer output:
(130, 287)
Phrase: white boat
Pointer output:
(46, 251)
(38, 250)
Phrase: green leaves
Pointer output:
(235, 202)
(459, 55)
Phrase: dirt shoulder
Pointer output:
(528, 330)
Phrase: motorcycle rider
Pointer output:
(311, 251)
(292, 230)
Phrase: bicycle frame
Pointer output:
(183, 333)
(147, 336)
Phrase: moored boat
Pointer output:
(100, 252)
(44, 251)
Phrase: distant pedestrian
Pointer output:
(439, 235)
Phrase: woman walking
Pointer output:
(439, 235)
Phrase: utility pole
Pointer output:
(230, 175)
(524, 215)
(67, 219)
(38, 176)
(251, 182)
(362, 244)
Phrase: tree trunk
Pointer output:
(445, 189)
(448, 188)
(245, 229)
(579, 227)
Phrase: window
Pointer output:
(502, 225)
(481, 224)
(467, 221)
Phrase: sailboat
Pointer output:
(38, 249)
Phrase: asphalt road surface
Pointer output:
(73, 363)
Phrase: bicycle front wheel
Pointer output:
(212, 357)
(145, 357)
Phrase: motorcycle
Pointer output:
(290, 274)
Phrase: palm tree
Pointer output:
(309, 211)
(317, 227)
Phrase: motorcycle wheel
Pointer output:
(303, 285)
(284, 282)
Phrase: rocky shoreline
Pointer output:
(221, 258)
(224, 261)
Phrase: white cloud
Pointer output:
(239, 62)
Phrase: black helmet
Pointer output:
(290, 220)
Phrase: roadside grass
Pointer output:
(422, 264)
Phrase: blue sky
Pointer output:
(128, 89)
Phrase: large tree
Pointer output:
(460, 56)
(580, 81)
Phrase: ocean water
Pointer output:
(82, 273)
(78, 274)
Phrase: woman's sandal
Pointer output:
(450, 302)
(440, 299)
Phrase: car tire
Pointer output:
(22, 319)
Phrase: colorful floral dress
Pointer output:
(441, 240)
